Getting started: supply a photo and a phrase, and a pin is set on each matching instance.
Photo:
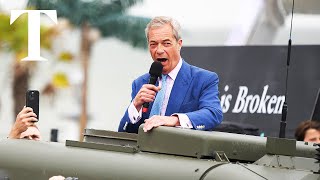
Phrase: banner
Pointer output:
(253, 80)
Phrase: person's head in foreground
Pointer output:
(308, 131)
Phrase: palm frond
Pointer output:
(78, 11)
(126, 28)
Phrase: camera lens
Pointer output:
(32, 95)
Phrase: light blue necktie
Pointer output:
(157, 104)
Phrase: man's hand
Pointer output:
(147, 93)
(25, 119)
(156, 121)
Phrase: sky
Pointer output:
(8, 5)
(221, 20)
(191, 14)
(200, 13)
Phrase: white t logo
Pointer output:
(33, 30)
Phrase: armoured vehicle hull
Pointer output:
(164, 153)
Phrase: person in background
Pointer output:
(189, 95)
(25, 126)
(58, 178)
(308, 131)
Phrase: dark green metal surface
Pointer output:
(110, 137)
(23, 159)
(203, 144)
(98, 146)
(163, 153)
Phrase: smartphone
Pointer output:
(32, 100)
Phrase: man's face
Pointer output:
(312, 135)
(32, 133)
(164, 47)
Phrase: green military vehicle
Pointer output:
(163, 153)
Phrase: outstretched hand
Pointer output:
(156, 121)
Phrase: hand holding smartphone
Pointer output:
(32, 100)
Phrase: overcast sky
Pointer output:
(219, 16)
(200, 13)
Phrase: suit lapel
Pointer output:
(179, 89)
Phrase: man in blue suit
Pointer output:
(190, 94)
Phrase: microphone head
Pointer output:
(156, 69)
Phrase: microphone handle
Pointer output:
(145, 106)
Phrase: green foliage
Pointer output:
(125, 27)
(14, 37)
(107, 16)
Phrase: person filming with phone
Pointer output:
(25, 126)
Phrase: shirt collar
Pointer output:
(173, 74)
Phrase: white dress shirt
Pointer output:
(184, 120)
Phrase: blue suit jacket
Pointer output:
(195, 93)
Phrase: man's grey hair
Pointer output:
(160, 21)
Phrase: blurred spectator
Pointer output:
(57, 178)
(308, 131)
(24, 126)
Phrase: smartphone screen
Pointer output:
(32, 100)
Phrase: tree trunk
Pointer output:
(85, 53)
(19, 85)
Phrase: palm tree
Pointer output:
(14, 38)
(108, 17)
